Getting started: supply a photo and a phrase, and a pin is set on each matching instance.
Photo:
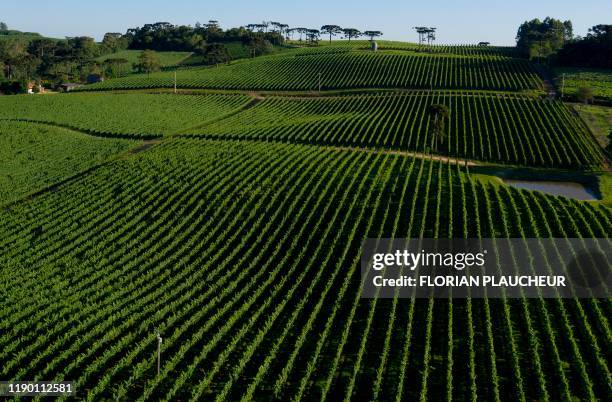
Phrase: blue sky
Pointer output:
(457, 21)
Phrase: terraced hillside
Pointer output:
(245, 256)
(342, 69)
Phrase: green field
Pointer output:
(599, 81)
(300, 70)
(599, 120)
(121, 115)
(231, 219)
(510, 129)
(166, 59)
(35, 156)
(245, 256)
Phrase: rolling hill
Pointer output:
(228, 220)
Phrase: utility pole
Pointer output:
(159, 342)
(562, 84)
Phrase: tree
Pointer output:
(13, 53)
(42, 47)
(116, 67)
(3, 27)
(114, 42)
(148, 62)
(373, 34)
(585, 94)
(312, 36)
(276, 33)
(426, 33)
(275, 26)
(163, 36)
(594, 50)
(439, 113)
(284, 29)
(81, 48)
(351, 33)
(542, 39)
(23, 67)
(301, 31)
(258, 46)
(212, 25)
(331, 30)
(216, 53)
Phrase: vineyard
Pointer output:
(340, 69)
(121, 115)
(229, 218)
(33, 157)
(245, 256)
(510, 128)
(464, 50)
(385, 45)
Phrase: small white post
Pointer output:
(320, 74)
(562, 85)
(174, 81)
(159, 342)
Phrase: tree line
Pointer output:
(552, 41)
(28, 56)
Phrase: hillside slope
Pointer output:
(335, 68)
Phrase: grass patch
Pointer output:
(167, 59)
(599, 80)
(598, 119)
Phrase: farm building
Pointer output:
(93, 78)
(33, 88)
(69, 86)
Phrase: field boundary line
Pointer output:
(51, 188)
(535, 92)
(85, 131)
(570, 106)
(252, 103)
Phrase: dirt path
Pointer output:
(421, 155)
(547, 80)
(144, 146)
